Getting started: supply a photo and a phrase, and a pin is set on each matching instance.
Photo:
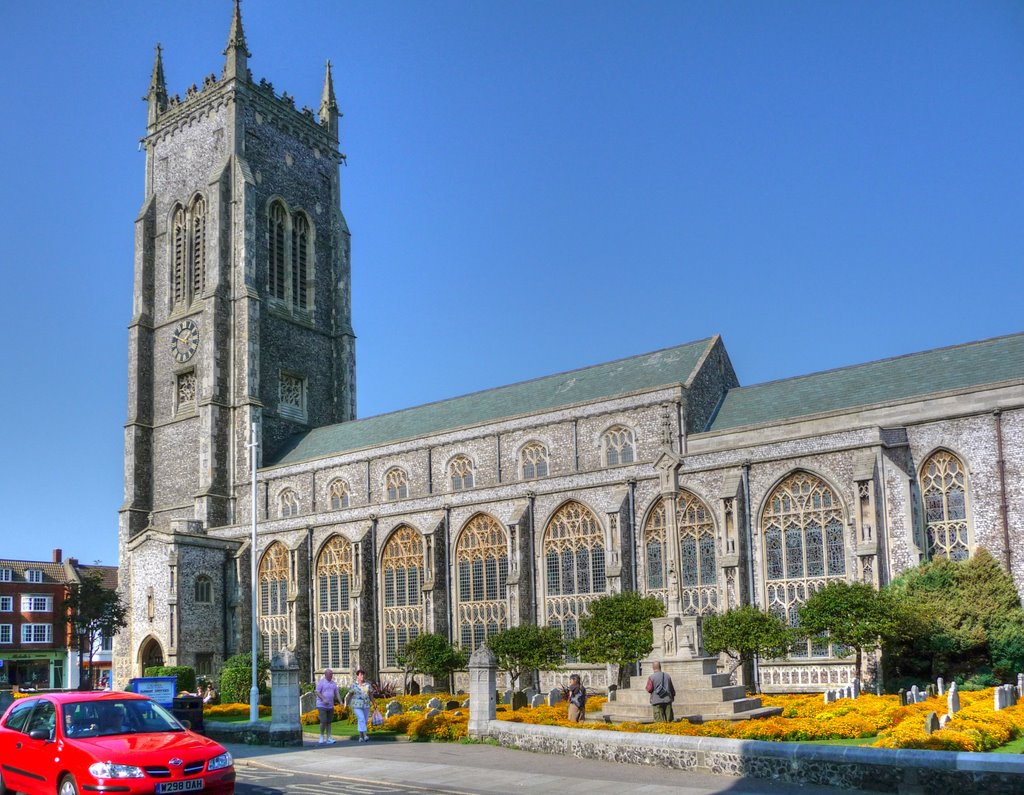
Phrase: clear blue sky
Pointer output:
(532, 187)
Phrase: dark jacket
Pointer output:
(660, 686)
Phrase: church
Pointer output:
(658, 473)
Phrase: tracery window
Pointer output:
(460, 472)
(188, 252)
(401, 564)
(619, 447)
(533, 461)
(204, 590)
(574, 554)
(396, 484)
(481, 559)
(334, 620)
(290, 263)
(804, 549)
(300, 261)
(289, 502)
(273, 608)
(944, 485)
(197, 219)
(698, 572)
(339, 494)
(278, 223)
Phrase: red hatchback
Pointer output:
(71, 743)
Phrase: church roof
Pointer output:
(889, 380)
(635, 374)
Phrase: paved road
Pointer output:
(254, 781)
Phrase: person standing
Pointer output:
(360, 699)
(663, 693)
(577, 699)
(326, 694)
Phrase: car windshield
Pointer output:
(112, 716)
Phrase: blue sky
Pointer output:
(532, 187)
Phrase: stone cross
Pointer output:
(483, 666)
(931, 723)
(953, 699)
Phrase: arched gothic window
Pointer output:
(698, 573)
(804, 548)
(618, 445)
(290, 263)
(289, 502)
(396, 484)
(188, 253)
(574, 554)
(300, 261)
(339, 495)
(204, 590)
(334, 620)
(533, 461)
(401, 564)
(197, 220)
(460, 472)
(481, 559)
(944, 486)
(179, 277)
(278, 224)
(273, 607)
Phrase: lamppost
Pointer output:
(81, 630)
(254, 691)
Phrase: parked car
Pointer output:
(69, 743)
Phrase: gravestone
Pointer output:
(1020, 685)
(427, 690)
(416, 708)
(554, 696)
(434, 703)
(537, 700)
(518, 700)
(930, 690)
(393, 708)
(903, 697)
(506, 697)
(953, 699)
(914, 693)
(458, 713)
(931, 723)
(465, 703)
(999, 699)
(941, 686)
(530, 692)
(828, 696)
(855, 687)
(451, 704)
(432, 712)
(307, 702)
(943, 721)
(414, 688)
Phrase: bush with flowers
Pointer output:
(312, 718)
(235, 710)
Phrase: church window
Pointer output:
(180, 255)
(291, 396)
(334, 620)
(804, 549)
(278, 222)
(396, 484)
(619, 447)
(300, 261)
(698, 575)
(481, 559)
(185, 393)
(339, 495)
(197, 220)
(273, 616)
(204, 590)
(401, 564)
(574, 554)
(460, 471)
(289, 502)
(188, 253)
(944, 486)
(534, 461)
(290, 268)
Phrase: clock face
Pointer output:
(185, 340)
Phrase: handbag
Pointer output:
(377, 719)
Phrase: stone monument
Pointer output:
(285, 725)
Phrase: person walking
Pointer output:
(326, 694)
(663, 693)
(577, 699)
(360, 699)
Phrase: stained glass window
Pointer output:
(289, 502)
(698, 575)
(534, 461)
(334, 619)
(618, 446)
(460, 473)
(575, 554)
(481, 556)
(339, 495)
(396, 484)
(272, 618)
(401, 563)
(944, 483)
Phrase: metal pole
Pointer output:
(254, 691)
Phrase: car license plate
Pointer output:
(188, 785)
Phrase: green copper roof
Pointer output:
(914, 375)
(637, 373)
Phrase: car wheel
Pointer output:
(68, 786)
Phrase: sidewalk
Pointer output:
(483, 769)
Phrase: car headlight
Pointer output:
(219, 762)
(111, 770)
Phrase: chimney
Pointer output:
(57, 555)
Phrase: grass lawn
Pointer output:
(344, 729)
(1012, 747)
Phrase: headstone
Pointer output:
(393, 708)
(506, 697)
(1020, 685)
(554, 696)
(307, 702)
(931, 723)
(930, 690)
(519, 700)
(903, 697)
(953, 699)
(465, 704)
(530, 692)
(941, 686)
(827, 695)
(414, 688)
(537, 700)
(943, 721)
(416, 708)
(878, 688)
(999, 699)
(432, 712)
(434, 703)
(427, 690)
(451, 704)
(922, 697)
(914, 693)
(856, 688)
(458, 713)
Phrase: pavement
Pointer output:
(485, 769)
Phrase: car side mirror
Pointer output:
(39, 734)
(186, 723)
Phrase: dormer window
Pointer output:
(5, 575)
(34, 575)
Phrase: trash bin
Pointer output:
(189, 708)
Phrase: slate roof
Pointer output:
(637, 373)
(889, 380)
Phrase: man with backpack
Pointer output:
(663, 693)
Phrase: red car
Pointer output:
(71, 743)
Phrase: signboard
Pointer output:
(161, 689)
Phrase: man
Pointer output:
(326, 694)
(663, 693)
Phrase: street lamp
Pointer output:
(81, 656)
(254, 691)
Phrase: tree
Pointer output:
(525, 648)
(236, 678)
(93, 612)
(852, 614)
(617, 629)
(745, 633)
(432, 655)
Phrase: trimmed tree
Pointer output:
(851, 614)
(433, 655)
(745, 634)
(236, 678)
(522, 649)
(617, 630)
(93, 612)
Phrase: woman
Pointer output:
(360, 699)
(326, 694)
(577, 699)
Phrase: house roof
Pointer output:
(52, 572)
(914, 375)
(108, 575)
(637, 373)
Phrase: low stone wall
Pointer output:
(249, 733)
(849, 767)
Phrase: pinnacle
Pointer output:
(236, 36)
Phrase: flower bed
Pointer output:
(214, 711)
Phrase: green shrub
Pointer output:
(236, 678)
(186, 675)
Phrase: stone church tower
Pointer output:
(241, 314)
